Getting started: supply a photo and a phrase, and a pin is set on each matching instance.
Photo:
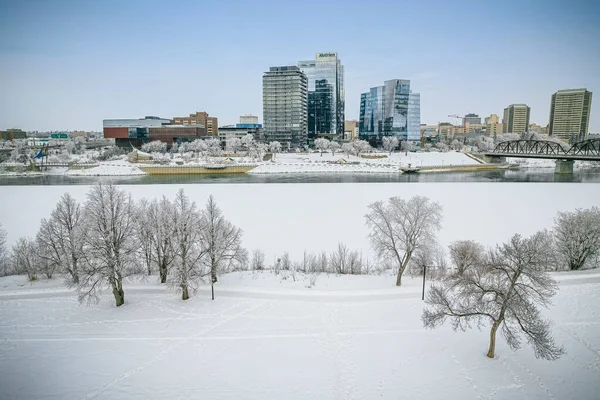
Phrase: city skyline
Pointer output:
(68, 65)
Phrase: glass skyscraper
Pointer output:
(325, 96)
(390, 110)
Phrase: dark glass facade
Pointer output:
(326, 96)
(390, 110)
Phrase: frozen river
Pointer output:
(316, 216)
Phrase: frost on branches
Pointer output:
(577, 236)
(110, 244)
(400, 228)
(505, 291)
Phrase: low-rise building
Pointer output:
(228, 132)
(12, 134)
(136, 132)
(200, 118)
(351, 130)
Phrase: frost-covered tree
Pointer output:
(198, 147)
(322, 145)
(504, 292)
(257, 150)
(428, 147)
(144, 234)
(348, 148)
(466, 254)
(275, 147)
(155, 146)
(334, 147)
(456, 145)
(187, 245)
(401, 227)
(233, 144)
(221, 239)
(24, 258)
(110, 244)
(4, 270)
(247, 141)
(257, 262)
(61, 237)
(161, 217)
(361, 146)
(578, 237)
(389, 143)
(407, 146)
(213, 147)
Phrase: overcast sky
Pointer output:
(71, 64)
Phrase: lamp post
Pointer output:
(425, 273)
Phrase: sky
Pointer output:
(69, 64)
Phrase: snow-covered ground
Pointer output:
(266, 338)
(108, 168)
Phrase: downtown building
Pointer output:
(516, 119)
(326, 96)
(200, 118)
(390, 110)
(285, 106)
(129, 133)
(570, 113)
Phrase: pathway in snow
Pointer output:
(294, 347)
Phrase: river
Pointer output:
(591, 175)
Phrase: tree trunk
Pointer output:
(213, 273)
(163, 273)
(399, 278)
(119, 295)
(492, 348)
(184, 292)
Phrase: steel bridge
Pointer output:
(586, 150)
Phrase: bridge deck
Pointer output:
(545, 156)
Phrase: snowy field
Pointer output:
(315, 217)
(266, 338)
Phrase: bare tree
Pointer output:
(222, 240)
(155, 146)
(233, 144)
(61, 238)
(4, 270)
(505, 292)
(110, 243)
(144, 233)
(348, 148)
(275, 147)
(399, 228)
(578, 237)
(389, 143)
(334, 147)
(162, 218)
(258, 260)
(24, 258)
(322, 145)
(213, 147)
(188, 245)
(466, 254)
(247, 141)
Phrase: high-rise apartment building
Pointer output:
(493, 125)
(473, 119)
(200, 118)
(390, 110)
(516, 118)
(326, 96)
(285, 106)
(248, 119)
(570, 113)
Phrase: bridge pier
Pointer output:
(564, 167)
(494, 159)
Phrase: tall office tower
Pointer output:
(284, 106)
(516, 118)
(570, 113)
(390, 110)
(326, 96)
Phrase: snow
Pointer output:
(315, 217)
(109, 168)
(266, 339)
(389, 163)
